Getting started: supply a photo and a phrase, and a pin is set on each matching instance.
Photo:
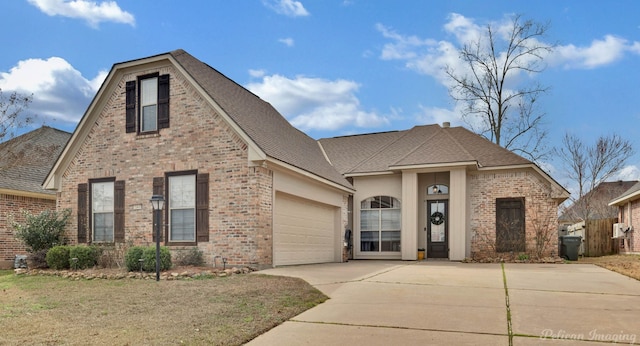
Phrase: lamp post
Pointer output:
(157, 202)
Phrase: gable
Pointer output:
(267, 136)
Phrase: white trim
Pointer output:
(21, 193)
(535, 167)
(306, 174)
(368, 174)
(625, 199)
(435, 165)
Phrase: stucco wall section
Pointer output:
(240, 204)
(11, 209)
(540, 210)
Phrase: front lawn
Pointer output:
(628, 265)
(214, 311)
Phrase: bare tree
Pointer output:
(12, 113)
(496, 106)
(588, 166)
(13, 116)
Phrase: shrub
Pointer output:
(42, 231)
(87, 256)
(58, 257)
(37, 259)
(131, 258)
(191, 257)
(148, 254)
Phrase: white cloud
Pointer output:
(599, 53)
(289, 8)
(287, 41)
(628, 173)
(257, 73)
(90, 11)
(315, 103)
(59, 91)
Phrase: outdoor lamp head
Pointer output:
(157, 201)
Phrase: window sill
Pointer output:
(147, 135)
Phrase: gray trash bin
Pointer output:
(570, 246)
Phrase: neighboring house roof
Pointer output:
(25, 160)
(418, 147)
(598, 199)
(629, 195)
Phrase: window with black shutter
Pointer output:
(147, 104)
(186, 207)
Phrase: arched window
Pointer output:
(380, 224)
(438, 189)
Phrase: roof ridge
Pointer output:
(461, 146)
(404, 133)
(415, 148)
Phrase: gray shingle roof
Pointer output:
(421, 145)
(26, 160)
(629, 194)
(267, 128)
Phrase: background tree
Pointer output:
(497, 105)
(13, 117)
(12, 113)
(589, 166)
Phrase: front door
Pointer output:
(437, 229)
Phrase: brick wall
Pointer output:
(11, 208)
(198, 139)
(634, 236)
(540, 210)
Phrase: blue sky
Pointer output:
(331, 67)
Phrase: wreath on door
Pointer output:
(437, 218)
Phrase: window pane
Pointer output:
(149, 91)
(102, 197)
(391, 219)
(182, 191)
(369, 241)
(149, 118)
(391, 241)
(183, 225)
(182, 202)
(103, 227)
(369, 220)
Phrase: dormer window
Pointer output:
(147, 111)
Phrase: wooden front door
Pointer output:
(437, 229)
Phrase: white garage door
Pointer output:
(304, 231)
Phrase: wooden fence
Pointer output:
(598, 240)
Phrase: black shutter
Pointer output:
(158, 189)
(118, 211)
(82, 213)
(202, 207)
(510, 225)
(163, 101)
(131, 106)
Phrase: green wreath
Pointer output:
(437, 218)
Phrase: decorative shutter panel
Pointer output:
(158, 189)
(131, 106)
(163, 101)
(202, 207)
(118, 211)
(82, 213)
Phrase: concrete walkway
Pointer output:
(450, 303)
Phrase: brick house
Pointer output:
(24, 163)
(628, 204)
(242, 183)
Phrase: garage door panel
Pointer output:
(304, 231)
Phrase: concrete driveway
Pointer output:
(450, 303)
